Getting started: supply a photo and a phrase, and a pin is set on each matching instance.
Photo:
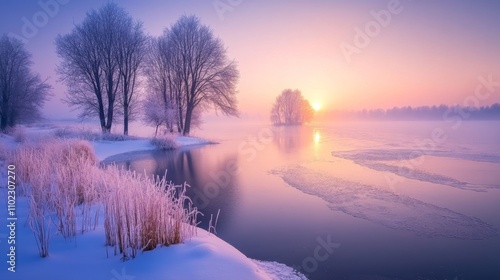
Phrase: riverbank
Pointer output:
(203, 256)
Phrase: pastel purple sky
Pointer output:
(429, 53)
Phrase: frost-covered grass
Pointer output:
(57, 175)
(165, 143)
(88, 135)
(134, 213)
(64, 184)
(142, 213)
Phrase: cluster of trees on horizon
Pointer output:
(441, 112)
(114, 71)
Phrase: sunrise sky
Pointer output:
(428, 53)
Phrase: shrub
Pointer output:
(164, 143)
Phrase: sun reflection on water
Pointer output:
(317, 137)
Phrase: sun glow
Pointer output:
(316, 106)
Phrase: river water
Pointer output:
(354, 200)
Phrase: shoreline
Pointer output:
(195, 258)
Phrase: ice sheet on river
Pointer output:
(374, 159)
(408, 154)
(384, 207)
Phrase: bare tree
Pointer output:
(291, 108)
(95, 62)
(131, 50)
(163, 86)
(197, 72)
(156, 114)
(22, 92)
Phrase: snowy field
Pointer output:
(204, 256)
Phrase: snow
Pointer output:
(105, 149)
(204, 256)
(375, 160)
(279, 271)
(188, 141)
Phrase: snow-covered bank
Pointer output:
(105, 149)
(203, 256)
(104, 146)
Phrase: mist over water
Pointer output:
(401, 200)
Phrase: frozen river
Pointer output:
(354, 200)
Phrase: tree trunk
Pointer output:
(102, 118)
(125, 119)
(187, 121)
(3, 123)
(102, 121)
(110, 117)
(111, 101)
(181, 124)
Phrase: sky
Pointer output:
(342, 55)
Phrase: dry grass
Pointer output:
(165, 143)
(82, 134)
(65, 185)
(141, 213)
(58, 175)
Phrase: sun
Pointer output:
(316, 106)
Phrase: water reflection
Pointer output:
(317, 137)
(267, 218)
(291, 139)
(213, 178)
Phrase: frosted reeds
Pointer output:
(142, 213)
(65, 184)
(164, 143)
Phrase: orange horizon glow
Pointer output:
(430, 53)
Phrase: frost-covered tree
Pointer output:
(291, 108)
(100, 62)
(22, 92)
(156, 114)
(163, 87)
(192, 72)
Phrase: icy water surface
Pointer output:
(383, 200)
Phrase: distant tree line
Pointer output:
(441, 112)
